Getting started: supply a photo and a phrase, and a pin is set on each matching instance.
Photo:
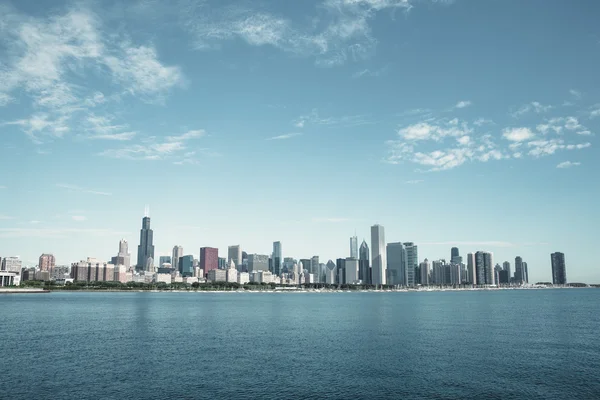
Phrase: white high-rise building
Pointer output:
(177, 254)
(11, 264)
(378, 255)
(471, 272)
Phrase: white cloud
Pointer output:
(426, 131)
(78, 218)
(568, 164)
(595, 112)
(75, 188)
(463, 104)
(345, 120)
(541, 148)
(575, 93)
(482, 121)
(414, 182)
(285, 136)
(518, 134)
(193, 134)
(5, 217)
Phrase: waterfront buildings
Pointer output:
(46, 262)
(424, 271)
(471, 270)
(484, 268)
(351, 271)
(223, 263)
(231, 274)
(277, 258)
(93, 270)
(519, 270)
(209, 259)
(145, 256)
(364, 268)
(243, 278)
(257, 262)
(177, 254)
(330, 273)
(9, 279)
(396, 264)
(217, 275)
(186, 266)
(559, 270)
(314, 268)
(379, 257)
(412, 262)
(354, 247)
(123, 257)
(11, 264)
(163, 261)
(234, 253)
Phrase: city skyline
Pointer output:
(408, 107)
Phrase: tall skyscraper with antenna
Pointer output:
(354, 247)
(146, 248)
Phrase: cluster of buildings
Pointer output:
(394, 264)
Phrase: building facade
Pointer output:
(378, 255)
(559, 269)
(258, 262)
(146, 247)
(364, 267)
(412, 262)
(209, 259)
(354, 247)
(47, 262)
(396, 264)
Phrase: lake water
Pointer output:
(517, 344)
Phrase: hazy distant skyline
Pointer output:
(450, 123)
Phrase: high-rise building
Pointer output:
(11, 264)
(209, 259)
(412, 262)
(164, 260)
(396, 264)
(234, 253)
(519, 271)
(354, 247)
(258, 262)
(146, 248)
(46, 262)
(340, 267)
(364, 269)
(437, 272)
(424, 271)
(123, 257)
(378, 255)
(330, 275)
(559, 269)
(471, 270)
(351, 267)
(177, 254)
(277, 258)
(525, 272)
(305, 264)
(506, 267)
(223, 263)
(455, 257)
(186, 266)
(314, 268)
(484, 268)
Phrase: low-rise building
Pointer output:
(217, 275)
(163, 278)
(9, 279)
(243, 278)
(232, 275)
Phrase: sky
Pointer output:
(451, 123)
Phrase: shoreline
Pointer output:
(278, 290)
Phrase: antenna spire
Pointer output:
(147, 211)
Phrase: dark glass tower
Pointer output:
(146, 248)
(364, 270)
(559, 270)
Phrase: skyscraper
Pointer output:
(519, 271)
(484, 268)
(412, 262)
(164, 260)
(424, 271)
(146, 248)
(123, 257)
(258, 262)
(47, 262)
(379, 257)
(396, 264)
(364, 269)
(354, 247)
(351, 271)
(234, 253)
(471, 270)
(277, 258)
(455, 257)
(314, 268)
(177, 254)
(559, 269)
(506, 267)
(209, 259)
(186, 265)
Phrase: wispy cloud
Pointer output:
(193, 134)
(575, 93)
(518, 134)
(46, 58)
(463, 104)
(75, 188)
(5, 217)
(78, 218)
(568, 164)
(595, 112)
(534, 106)
(2, 187)
(285, 136)
(343, 32)
(370, 72)
(346, 120)
(414, 182)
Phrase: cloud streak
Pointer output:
(285, 136)
(78, 189)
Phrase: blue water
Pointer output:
(519, 344)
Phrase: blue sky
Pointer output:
(468, 123)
